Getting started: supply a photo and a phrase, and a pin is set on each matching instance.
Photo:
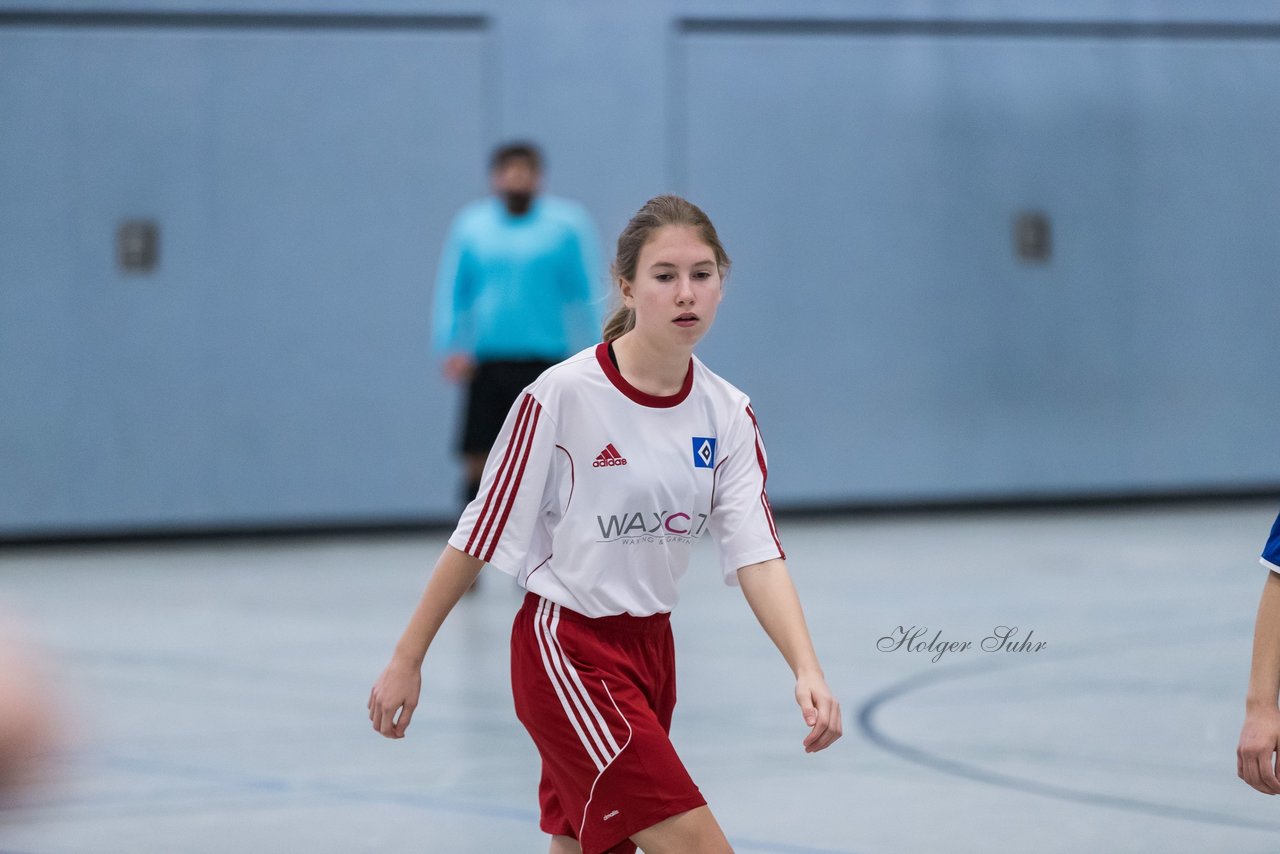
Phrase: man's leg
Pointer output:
(473, 465)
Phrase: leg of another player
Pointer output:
(474, 467)
(695, 830)
(474, 470)
(1258, 753)
(565, 845)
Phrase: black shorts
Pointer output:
(492, 391)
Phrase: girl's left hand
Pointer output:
(821, 712)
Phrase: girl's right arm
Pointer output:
(398, 687)
(1259, 751)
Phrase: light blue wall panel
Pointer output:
(304, 157)
(867, 186)
(275, 367)
(37, 303)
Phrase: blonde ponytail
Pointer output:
(622, 321)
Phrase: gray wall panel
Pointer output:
(868, 184)
(276, 365)
(862, 160)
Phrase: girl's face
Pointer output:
(677, 287)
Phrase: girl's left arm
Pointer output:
(773, 598)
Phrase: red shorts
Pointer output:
(596, 696)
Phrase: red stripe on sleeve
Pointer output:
(515, 489)
(773, 529)
(764, 469)
(520, 445)
(715, 478)
(764, 478)
(489, 498)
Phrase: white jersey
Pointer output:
(595, 492)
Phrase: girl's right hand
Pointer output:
(397, 689)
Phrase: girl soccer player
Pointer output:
(609, 468)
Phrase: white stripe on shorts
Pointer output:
(582, 825)
(555, 664)
(577, 680)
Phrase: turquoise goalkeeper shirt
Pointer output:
(514, 287)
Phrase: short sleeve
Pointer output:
(1271, 554)
(498, 526)
(741, 518)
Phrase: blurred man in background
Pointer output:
(515, 293)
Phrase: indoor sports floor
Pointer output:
(214, 693)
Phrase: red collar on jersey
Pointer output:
(641, 397)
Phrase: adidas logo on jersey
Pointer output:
(609, 457)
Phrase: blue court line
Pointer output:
(208, 665)
(779, 848)
(235, 781)
(531, 817)
(199, 773)
(868, 710)
(268, 784)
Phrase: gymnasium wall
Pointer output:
(865, 163)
